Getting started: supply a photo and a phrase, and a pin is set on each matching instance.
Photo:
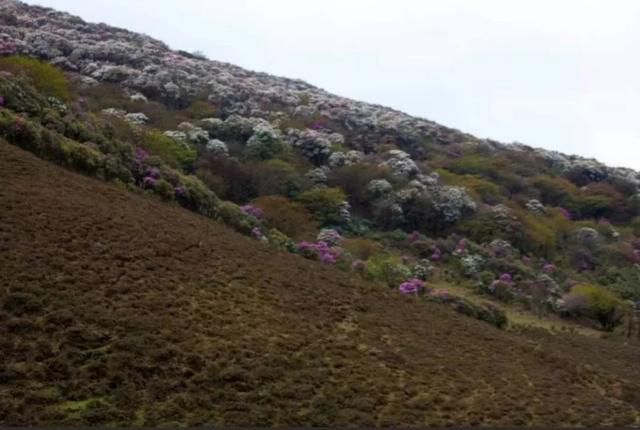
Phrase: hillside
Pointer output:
(120, 310)
(186, 242)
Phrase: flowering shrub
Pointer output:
(400, 164)
(180, 191)
(320, 251)
(549, 268)
(217, 147)
(265, 143)
(149, 182)
(256, 233)
(252, 210)
(472, 265)
(329, 236)
(412, 286)
(422, 270)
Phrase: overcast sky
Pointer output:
(559, 74)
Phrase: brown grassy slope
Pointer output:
(116, 309)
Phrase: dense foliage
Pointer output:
(508, 224)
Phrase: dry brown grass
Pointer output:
(118, 310)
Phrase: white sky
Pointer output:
(559, 74)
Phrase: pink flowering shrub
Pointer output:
(436, 255)
(412, 286)
(320, 251)
(252, 210)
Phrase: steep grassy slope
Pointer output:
(116, 309)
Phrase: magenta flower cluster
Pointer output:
(252, 210)
(549, 268)
(504, 279)
(412, 286)
(257, 233)
(319, 251)
(149, 182)
(436, 254)
(180, 191)
(152, 176)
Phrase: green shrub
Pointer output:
(174, 153)
(387, 269)
(82, 157)
(199, 198)
(281, 241)
(114, 169)
(324, 203)
(20, 95)
(164, 189)
(46, 78)
(19, 131)
(232, 215)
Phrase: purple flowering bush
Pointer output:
(252, 210)
(412, 287)
(320, 251)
